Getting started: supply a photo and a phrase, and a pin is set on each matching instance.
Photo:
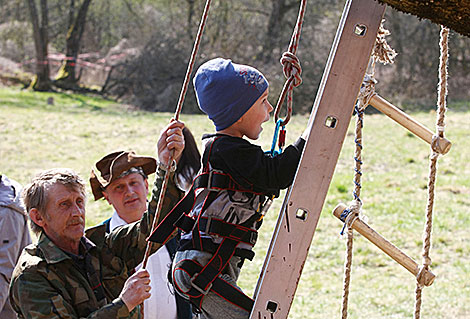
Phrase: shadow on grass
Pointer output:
(58, 101)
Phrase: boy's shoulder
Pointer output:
(222, 139)
(222, 145)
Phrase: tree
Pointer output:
(41, 82)
(453, 14)
(273, 33)
(66, 76)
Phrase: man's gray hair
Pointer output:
(35, 193)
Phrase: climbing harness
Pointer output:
(208, 185)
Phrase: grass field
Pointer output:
(76, 131)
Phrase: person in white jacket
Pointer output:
(14, 236)
(127, 194)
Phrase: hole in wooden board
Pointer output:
(301, 214)
(360, 30)
(271, 306)
(331, 122)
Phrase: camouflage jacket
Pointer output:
(47, 283)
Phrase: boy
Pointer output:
(227, 200)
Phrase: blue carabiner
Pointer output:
(273, 152)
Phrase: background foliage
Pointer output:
(139, 49)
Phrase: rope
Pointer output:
(440, 125)
(352, 213)
(383, 53)
(291, 68)
(347, 272)
(184, 89)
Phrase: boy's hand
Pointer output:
(171, 140)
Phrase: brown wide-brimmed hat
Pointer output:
(113, 165)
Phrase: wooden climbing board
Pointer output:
(329, 121)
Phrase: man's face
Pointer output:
(128, 195)
(64, 218)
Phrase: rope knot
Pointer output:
(291, 67)
(420, 276)
(435, 146)
(366, 92)
(350, 214)
(383, 52)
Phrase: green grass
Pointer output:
(76, 131)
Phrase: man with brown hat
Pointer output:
(70, 273)
(127, 193)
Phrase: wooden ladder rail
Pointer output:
(328, 123)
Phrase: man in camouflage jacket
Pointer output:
(70, 273)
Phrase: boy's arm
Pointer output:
(251, 167)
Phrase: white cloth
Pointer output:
(162, 303)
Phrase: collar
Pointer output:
(53, 254)
(116, 221)
(209, 135)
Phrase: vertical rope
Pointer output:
(291, 68)
(355, 207)
(189, 70)
(358, 153)
(347, 272)
(184, 89)
(440, 125)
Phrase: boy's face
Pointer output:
(249, 124)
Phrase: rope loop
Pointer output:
(292, 71)
(351, 214)
(291, 67)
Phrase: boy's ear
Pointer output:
(36, 217)
(240, 119)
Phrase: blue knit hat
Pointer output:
(225, 90)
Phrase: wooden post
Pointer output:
(328, 124)
(386, 246)
(408, 122)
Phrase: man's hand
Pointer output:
(136, 289)
(171, 140)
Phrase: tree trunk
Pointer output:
(41, 82)
(450, 13)
(66, 76)
(273, 34)
(190, 18)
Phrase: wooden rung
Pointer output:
(386, 246)
(408, 122)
